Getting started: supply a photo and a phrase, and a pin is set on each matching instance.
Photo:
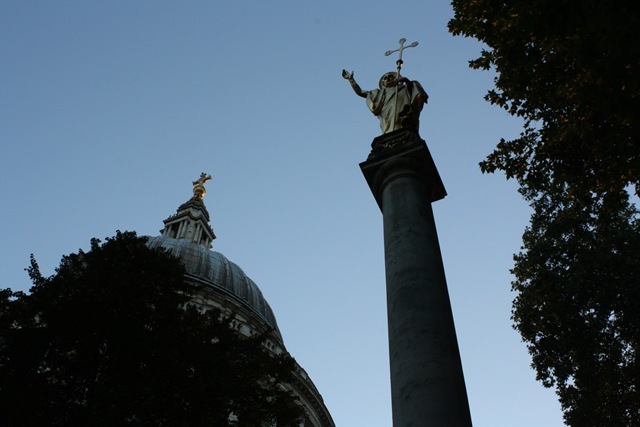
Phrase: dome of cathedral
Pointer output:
(215, 270)
(219, 283)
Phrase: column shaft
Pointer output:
(427, 382)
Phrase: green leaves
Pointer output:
(576, 306)
(110, 339)
(572, 71)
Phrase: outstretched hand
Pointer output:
(346, 75)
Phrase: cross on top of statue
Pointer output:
(400, 49)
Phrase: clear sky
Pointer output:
(108, 111)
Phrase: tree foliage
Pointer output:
(111, 339)
(571, 70)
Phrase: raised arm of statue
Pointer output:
(356, 88)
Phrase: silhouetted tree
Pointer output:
(571, 70)
(111, 340)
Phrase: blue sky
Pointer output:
(108, 111)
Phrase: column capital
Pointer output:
(401, 149)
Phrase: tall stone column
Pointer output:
(427, 383)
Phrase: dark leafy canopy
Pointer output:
(109, 340)
(571, 70)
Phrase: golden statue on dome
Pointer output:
(198, 186)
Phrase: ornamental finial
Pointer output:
(198, 186)
(399, 62)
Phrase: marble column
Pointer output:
(427, 382)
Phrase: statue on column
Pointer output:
(398, 101)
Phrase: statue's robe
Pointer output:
(399, 111)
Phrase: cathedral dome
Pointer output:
(221, 284)
(213, 269)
